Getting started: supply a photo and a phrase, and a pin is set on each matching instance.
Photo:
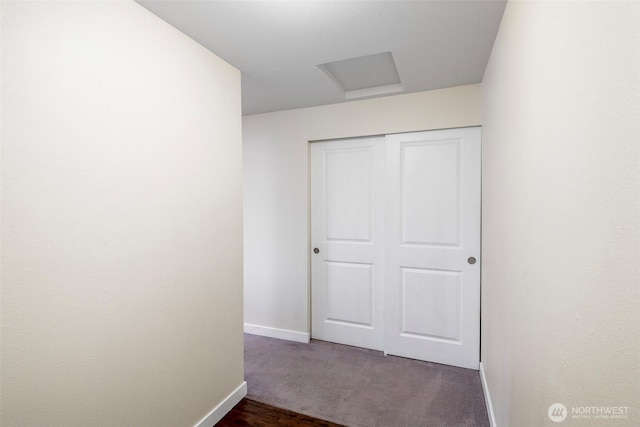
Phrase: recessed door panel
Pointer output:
(350, 293)
(430, 304)
(349, 194)
(430, 191)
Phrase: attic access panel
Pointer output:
(365, 76)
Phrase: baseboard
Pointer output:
(283, 334)
(487, 397)
(224, 407)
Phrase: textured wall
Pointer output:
(561, 218)
(121, 219)
(276, 187)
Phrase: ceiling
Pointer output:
(278, 45)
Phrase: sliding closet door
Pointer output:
(395, 244)
(432, 251)
(347, 238)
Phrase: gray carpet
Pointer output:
(361, 388)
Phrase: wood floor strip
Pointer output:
(249, 413)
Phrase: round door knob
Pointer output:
(471, 260)
(316, 250)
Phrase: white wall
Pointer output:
(121, 219)
(276, 196)
(561, 217)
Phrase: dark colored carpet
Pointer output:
(359, 387)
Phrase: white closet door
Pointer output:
(432, 251)
(347, 206)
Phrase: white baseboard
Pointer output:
(487, 397)
(283, 334)
(224, 407)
